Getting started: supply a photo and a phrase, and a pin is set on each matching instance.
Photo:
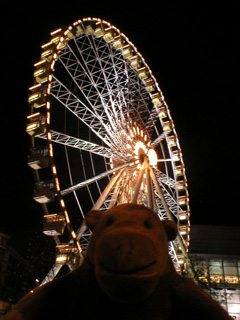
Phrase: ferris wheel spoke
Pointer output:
(115, 73)
(173, 255)
(159, 111)
(165, 160)
(159, 206)
(108, 189)
(170, 215)
(169, 203)
(163, 178)
(112, 76)
(97, 78)
(138, 99)
(169, 208)
(153, 117)
(119, 67)
(116, 192)
(91, 180)
(150, 193)
(113, 82)
(80, 144)
(160, 138)
(100, 88)
(88, 87)
(80, 110)
(52, 273)
(138, 183)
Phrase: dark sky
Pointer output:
(192, 50)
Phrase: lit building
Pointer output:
(16, 276)
(215, 253)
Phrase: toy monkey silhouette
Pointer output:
(126, 274)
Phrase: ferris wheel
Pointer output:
(101, 135)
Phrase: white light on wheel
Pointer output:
(152, 156)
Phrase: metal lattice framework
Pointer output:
(108, 135)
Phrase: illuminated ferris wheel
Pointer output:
(101, 135)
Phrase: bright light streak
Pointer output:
(61, 259)
(32, 126)
(34, 96)
(55, 31)
(50, 150)
(152, 156)
(33, 115)
(74, 234)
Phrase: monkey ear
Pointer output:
(170, 229)
(92, 218)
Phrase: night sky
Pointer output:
(192, 50)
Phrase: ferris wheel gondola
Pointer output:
(101, 135)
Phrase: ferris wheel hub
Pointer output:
(142, 152)
(136, 146)
(141, 155)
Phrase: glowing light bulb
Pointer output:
(152, 156)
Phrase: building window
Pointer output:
(221, 278)
(233, 302)
(231, 271)
(216, 271)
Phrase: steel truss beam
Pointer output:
(80, 144)
(171, 217)
(71, 102)
(156, 142)
(91, 180)
(52, 273)
(111, 86)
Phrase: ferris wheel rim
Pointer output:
(109, 149)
